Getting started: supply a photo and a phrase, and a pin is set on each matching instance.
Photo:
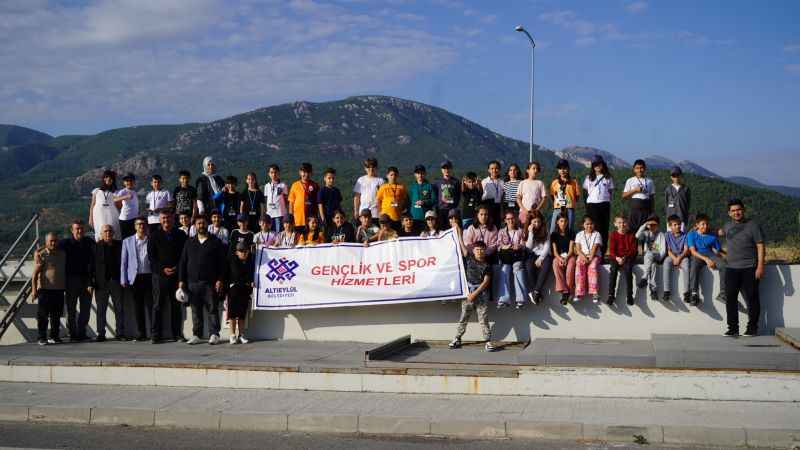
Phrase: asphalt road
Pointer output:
(65, 436)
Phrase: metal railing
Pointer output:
(16, 304)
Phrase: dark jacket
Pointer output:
(80, 256)
(205, 193)
(679, 200)
(164, 249)
(239, 272)
(202, 262)
(106, 262)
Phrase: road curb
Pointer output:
(405, 426)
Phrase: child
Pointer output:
(266, 237)
(275, 192)
(185, 221)
(252, 201)
(407, 226)
(241, 235)
(392, 197)
(340, 230)
(640, 191)
(431, 225)
(130, 205)
(678, 258)
(239, 280)
(588, 246)
(706, 251)
(385, 232)
(655, 250)
(313, 234)
(539, 262)
(479, 278)
(185, 196)
(366, 229)
(622, 251)
(599, 187)
(531, 194)
(366, 189)
(677, 198)
(448, 193)
(511, 187)
(511, 252)
(288, 237)
(330, 198)
(303, 198)
(231, 203)
(217, 228)
(471, 194)
(158, 199)
(493, 191)
(422, 197)
(565, 192)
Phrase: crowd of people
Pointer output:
(194, 245)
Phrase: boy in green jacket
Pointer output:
(422, 197)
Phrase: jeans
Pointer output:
(697, 265)
(513, 285)
(683, 268)
(203, 299)
(651, 263)
(109, 289)
(627, 276)
(50, 309)
(142, 301)
(77, 292)
(481, 308)
(164, 299)
(744, 281)
(570, 218)
(537, 276)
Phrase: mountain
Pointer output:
(660, 162)
(23, 148)
(13, 135)
(337, 134)
(785, 190)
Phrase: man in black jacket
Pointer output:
(107, 256)
(201, 270)
(164, 250)
(80, 272)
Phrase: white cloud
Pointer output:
(636, 7)
(589, 33)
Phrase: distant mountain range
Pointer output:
(40, 172)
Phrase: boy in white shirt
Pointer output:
(217, 228)
(275, 192)
(641, 192)
(655, 250)
(130, 205)
(157, 200)
(365, 191)
(266, 237)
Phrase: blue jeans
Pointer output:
(513, 286)
(570, 218)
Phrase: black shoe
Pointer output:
(140, 338)
(732, 333)
(564, 298)
(537, 297)
(642, 283)
(100, 339)
(155, 341)
(180, 340)
(695, 299)
(57, 340)
(631, 301)
(667, 296)
(687, 298)
(751, 333)
(653, 294)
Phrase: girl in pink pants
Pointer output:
(588, 244)
(562, 241)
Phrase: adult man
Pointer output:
(49, 283)
(107, 258)
(744, 268)
(164, 249)
(209, 187)
(201, 269)
(79, 251)
(136, 276)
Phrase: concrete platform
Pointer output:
(588, 353)
(789, 335)
(719, 352)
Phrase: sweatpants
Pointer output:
(627, 276)
(697, 265)
(50, 309)
(203, 300)
(744, 281)
(651, 263)
(481, 308)
(683, 279)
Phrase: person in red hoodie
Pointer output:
(622, 254)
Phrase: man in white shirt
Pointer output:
(366, 189)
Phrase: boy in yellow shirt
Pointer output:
(392, 198)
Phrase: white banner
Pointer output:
(413, 269)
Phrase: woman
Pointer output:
(209, 187)
(539, 260)
(511, 243)
(103, 210)
(511, 187)
(599, 186)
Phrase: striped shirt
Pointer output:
(510, 193)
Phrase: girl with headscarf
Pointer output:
(209, 187)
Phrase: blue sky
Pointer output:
(717, 82)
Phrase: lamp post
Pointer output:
(533, 47)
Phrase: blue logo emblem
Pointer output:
(281, 269)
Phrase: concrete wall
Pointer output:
(436, 321)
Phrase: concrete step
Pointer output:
(720, 352)
(589, 353)
(789, 335)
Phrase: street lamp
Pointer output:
(533, 47)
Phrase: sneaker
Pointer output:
(641, 284)
(489, 347)
(731, 333)
(42, 341)
(519, 305)
(667, 296)
(653, 294)
(123, 338)
(455, 343)
(564, 298)
(193, 340)
(213, 340)
(721, 297)
(140, 338)
(596, 298)
(532, 297)
(155, 341)
(576, 299)
(232, 339)
(52, 341)
(243, 340)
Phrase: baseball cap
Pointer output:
(446, 163)
(676, 171)
(430, 213)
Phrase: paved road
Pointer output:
(52, 436)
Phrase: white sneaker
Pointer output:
(489, 347)
(194, 340)
(243, 340)
(576, 299)
(596, 298)
(455, 343)
(213, 340)
(232, 339)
